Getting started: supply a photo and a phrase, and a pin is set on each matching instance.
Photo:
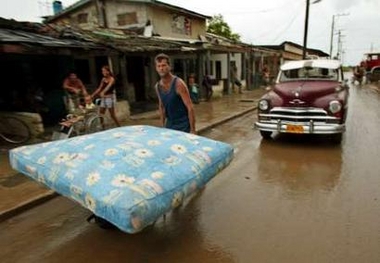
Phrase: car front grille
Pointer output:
(300, 115)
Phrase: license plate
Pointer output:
(294, 128)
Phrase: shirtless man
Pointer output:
(75, 90)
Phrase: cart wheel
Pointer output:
(95, 124)
(102, 223)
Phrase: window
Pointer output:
(82, 18)
(309, 73)
(127, 19)
(218, 69)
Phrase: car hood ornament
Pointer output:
(297, 91)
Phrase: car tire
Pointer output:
(337, 138)
(266, 135)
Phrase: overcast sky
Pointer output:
(268, 22)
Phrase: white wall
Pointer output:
(223, 59)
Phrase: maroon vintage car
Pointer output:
(309, 96)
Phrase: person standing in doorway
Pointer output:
(76, 91)
(193, 89)
(175, 106)
(106, 92)
(265, 75)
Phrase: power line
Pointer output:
(287, 26)
(267, 10)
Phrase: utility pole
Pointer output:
(332, 30)
(306, 27)
(340, 45)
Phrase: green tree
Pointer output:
(219, 27)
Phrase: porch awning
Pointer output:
(20, 37)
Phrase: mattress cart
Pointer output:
(84, 120)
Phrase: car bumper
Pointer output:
(308, 127)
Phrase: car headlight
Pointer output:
(263, 105)
(335, 106)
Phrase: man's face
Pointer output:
(162, 67)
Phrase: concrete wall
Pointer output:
(163, 20)
(164, 24)
(237, 57)
(122, 113)
(92, 18)
(118, 8)
(217, 90)
(32, 120)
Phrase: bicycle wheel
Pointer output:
(95, 124)
(14, 130)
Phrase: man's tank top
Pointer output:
(177, 117)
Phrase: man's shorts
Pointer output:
(108, 102)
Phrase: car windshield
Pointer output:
(310, 73)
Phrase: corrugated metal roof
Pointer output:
(51, 35)
(19, 37)
(148, 44)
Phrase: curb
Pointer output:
(221, 121)
(33, 202)
(42, 198)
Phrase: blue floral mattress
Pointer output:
(129, 176)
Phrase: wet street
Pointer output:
(290, 199)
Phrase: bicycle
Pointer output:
(14, 130)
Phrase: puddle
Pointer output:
(13, 180)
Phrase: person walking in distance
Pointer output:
(174, 102)
(106, 92)
(235, 80)
(265, 75)
(206, 83)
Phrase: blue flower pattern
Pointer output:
(129, 176)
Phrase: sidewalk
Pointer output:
(18, 192)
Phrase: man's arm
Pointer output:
(183, 92)
(83, 88)
(97, 90)
(161, 108)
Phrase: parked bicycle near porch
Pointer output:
(14, 130)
